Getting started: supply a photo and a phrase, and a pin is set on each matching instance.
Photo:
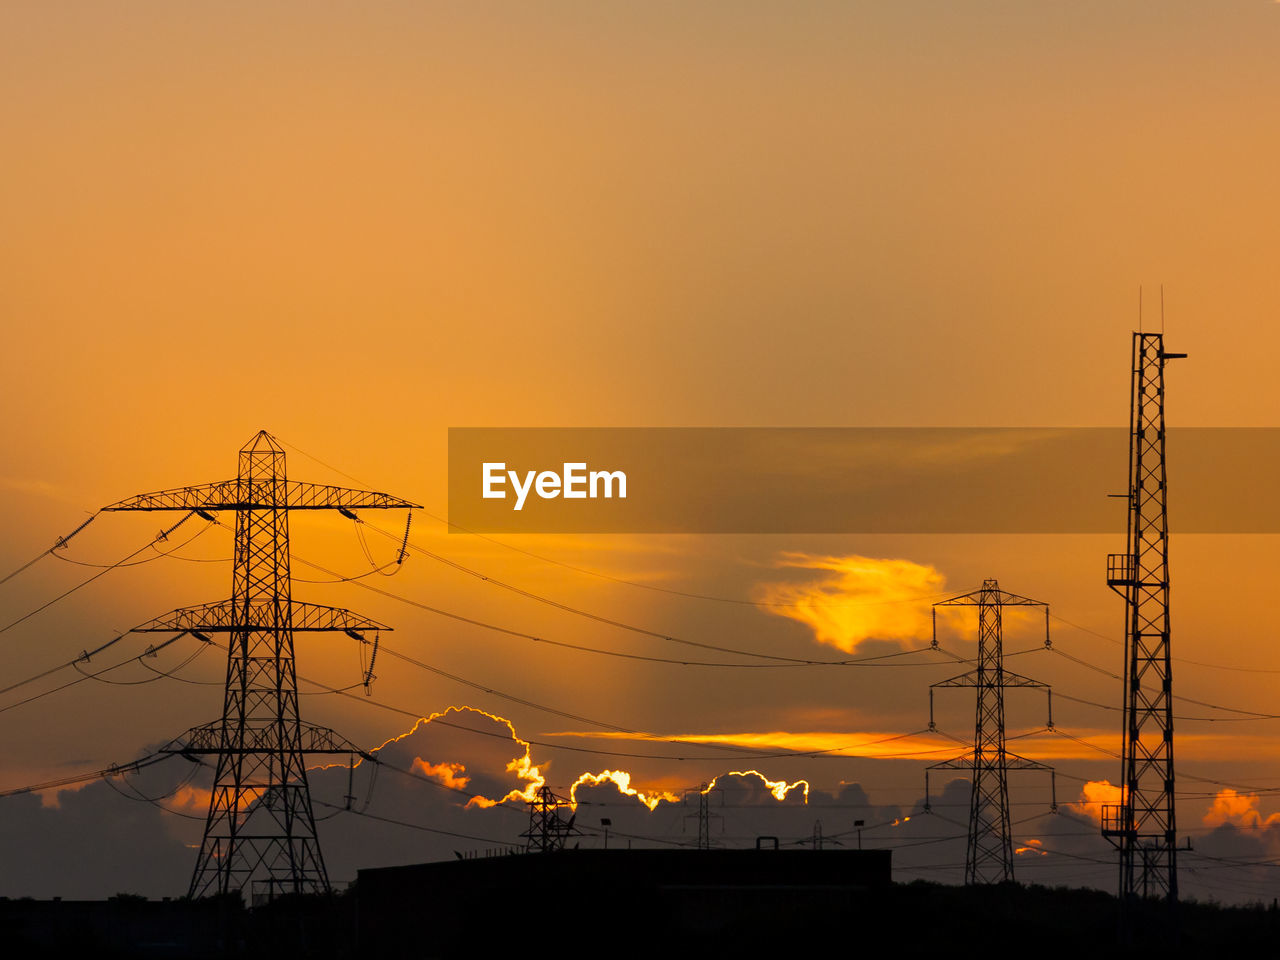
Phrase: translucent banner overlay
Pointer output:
(849, 480)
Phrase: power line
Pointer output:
(1244, 715)
(1187, 660)
(85, 676)
(471, 621)
(57, 545)
(159, 555)
(604, 576)
(417, 715)
(83, 658)
(162, 535)
(159, 674)
(652, 587)
(112, 770)
(462, 568)
(776, 659)
(411, 826)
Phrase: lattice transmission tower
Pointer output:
(704, 815)
(1143, 825)
(260, 829)
(989, 857)
(548, 830)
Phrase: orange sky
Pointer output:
(358, 226)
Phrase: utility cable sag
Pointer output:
(57, 545)
(162, 535)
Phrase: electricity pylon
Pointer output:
(704, 814)
(1142, 825)
(989, 858)
(260, 828)
(548, 831)
(704, 819)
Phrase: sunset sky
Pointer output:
(359, 225)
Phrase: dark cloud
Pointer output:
(138, 833)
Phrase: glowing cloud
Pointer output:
(191, 798)
(1237, 809)
(524, 770)
(857, 598)
(455, 776)
(452, 775)
(1093, 796)
(522, 766)
(849, 744)
(622, 780)
(779, 788)
(1032, 847)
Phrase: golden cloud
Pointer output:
(1093, 796)
(846, 744)
(1237, 809)
(855, 599)
(778, 788)
(451, 775)
(622, 780)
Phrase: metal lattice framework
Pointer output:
(260, 827)
(1143, 825)
(704, 819)
(704, 816)
(989, 858)
(226, 617)
(702, 797)
(548, 831)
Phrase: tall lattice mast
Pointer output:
(704, 819)
(260, 828)
(989, 858)
(548, 831)
(702, 796)
(1143, 825)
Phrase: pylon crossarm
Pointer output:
(202, 496)
(1015, 762)
(1008, 599)
(1001, 597)
(242, 494)
(260, 737)
(962, 762)
(1012, 679)
(963, 680)
(314, 496)
(227, 617)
